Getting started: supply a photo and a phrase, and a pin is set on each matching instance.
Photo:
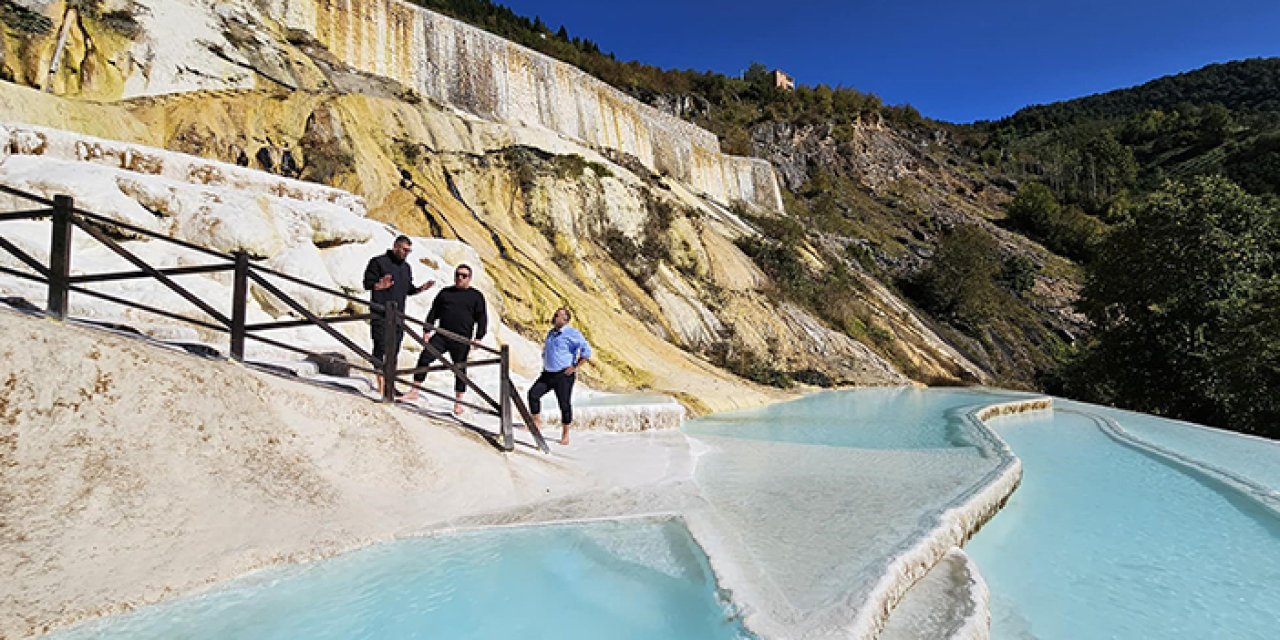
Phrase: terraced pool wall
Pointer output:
(485, 75)
(955, 525)
(866, 619)
(1246, 487)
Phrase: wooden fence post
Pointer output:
(60, 256)
(504, 397)
(239, 302)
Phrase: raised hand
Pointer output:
(384, 283)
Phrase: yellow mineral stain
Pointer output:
(323, 21)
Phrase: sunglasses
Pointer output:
(461, 276)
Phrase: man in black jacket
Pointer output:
(390, 278)
(460, 310)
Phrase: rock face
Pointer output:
(479, 72)
(186, 45)
(568, 192)
(903, 190)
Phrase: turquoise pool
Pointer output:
(1102, 540)
(810, 503)
(1106, 541)
(617, 579)
(894, 418)
(822, 495)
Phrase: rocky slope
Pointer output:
(641, 245)
(899, 190)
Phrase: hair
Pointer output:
(568, 315)
(403, 240)
(466, 266)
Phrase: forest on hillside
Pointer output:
(1169, 195)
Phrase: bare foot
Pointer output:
(411, 396)
(564, 441)
(457, 409)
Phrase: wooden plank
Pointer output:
(141, 264)
(296, 306)
(26, 258)
(131, 275)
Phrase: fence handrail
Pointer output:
(112, 222)
(66, 216)
(18, 193)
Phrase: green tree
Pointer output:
(1018, 274)
(1184, 300)
(960, 281)
(1107, 169)
(1067, 230)
(1034, 207)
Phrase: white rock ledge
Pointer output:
(955, 525)
(1258, 492)
(867, 618)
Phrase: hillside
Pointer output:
(1221, 119)
(1243, 86)
(562, 206)
(915, 205)
(872, 191)
(1167, 192)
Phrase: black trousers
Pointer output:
(380, 346)
(457, 353)
(559, 382)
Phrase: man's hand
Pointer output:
(571, 369)
(384, 283)
(428, 285)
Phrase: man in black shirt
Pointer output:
(390, 278)
(461, 310)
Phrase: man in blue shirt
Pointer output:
(565, 350)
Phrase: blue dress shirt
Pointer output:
(563, 348)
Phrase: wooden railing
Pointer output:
(65, 218)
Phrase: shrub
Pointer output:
(1018, 274)
(960, 280)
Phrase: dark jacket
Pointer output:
(401, 279)
(460, 311)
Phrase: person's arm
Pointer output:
(413, 291)
(433, 315)
(582, 351)
(481, 318)
(372, 274)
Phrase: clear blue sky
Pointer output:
(953, 60)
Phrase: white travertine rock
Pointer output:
(180, 168)
(229, 225)
(86, 183)
(303, 261)
(950, 603)
(165, 66)
(332, 224)
(481, 73)
(313, 232)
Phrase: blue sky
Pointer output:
(956, 61)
